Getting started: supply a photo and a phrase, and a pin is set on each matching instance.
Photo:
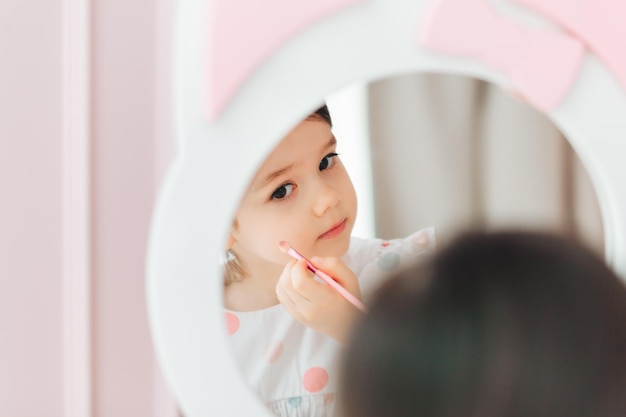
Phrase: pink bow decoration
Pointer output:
(541, 64)
(244, 33)
(600, 24)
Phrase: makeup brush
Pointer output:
(286, 248)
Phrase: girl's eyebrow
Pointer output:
(273, 175)
(332, 142)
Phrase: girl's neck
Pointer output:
(257, 289)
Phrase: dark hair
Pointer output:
(508, 324)
(324, 114)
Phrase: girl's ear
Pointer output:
(231, 241)
(231, 238)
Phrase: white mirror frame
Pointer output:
(216, 159)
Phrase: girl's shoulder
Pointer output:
(385, 250)
(374, 259)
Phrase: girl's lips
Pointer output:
(334, 231)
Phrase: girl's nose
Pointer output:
(326, 198)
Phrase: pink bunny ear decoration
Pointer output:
(600, 24)
(247, 32)
(541, 64)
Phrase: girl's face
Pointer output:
(302, 194)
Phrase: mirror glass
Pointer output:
(422, 150)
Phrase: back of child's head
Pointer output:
(496, 324)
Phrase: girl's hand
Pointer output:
(316, 304)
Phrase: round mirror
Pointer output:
(422, 151)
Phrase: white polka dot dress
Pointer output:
(292, 368)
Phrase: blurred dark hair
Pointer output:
(508, 324)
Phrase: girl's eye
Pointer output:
(328, 161)
(282, 192)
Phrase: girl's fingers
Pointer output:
(286, 289)
(283, 276)
(339, 271)
(283, 282)
(304, 283)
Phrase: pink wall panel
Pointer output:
(30, 209)
(129, 137)
(123, 135)
(125, 142)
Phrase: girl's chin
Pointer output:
(338, 249)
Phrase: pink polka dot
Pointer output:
(273, 350)
(315, 379)
(232, 323)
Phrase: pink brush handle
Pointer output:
(329, 280)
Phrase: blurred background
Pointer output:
(459, 153)
(86, 138)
